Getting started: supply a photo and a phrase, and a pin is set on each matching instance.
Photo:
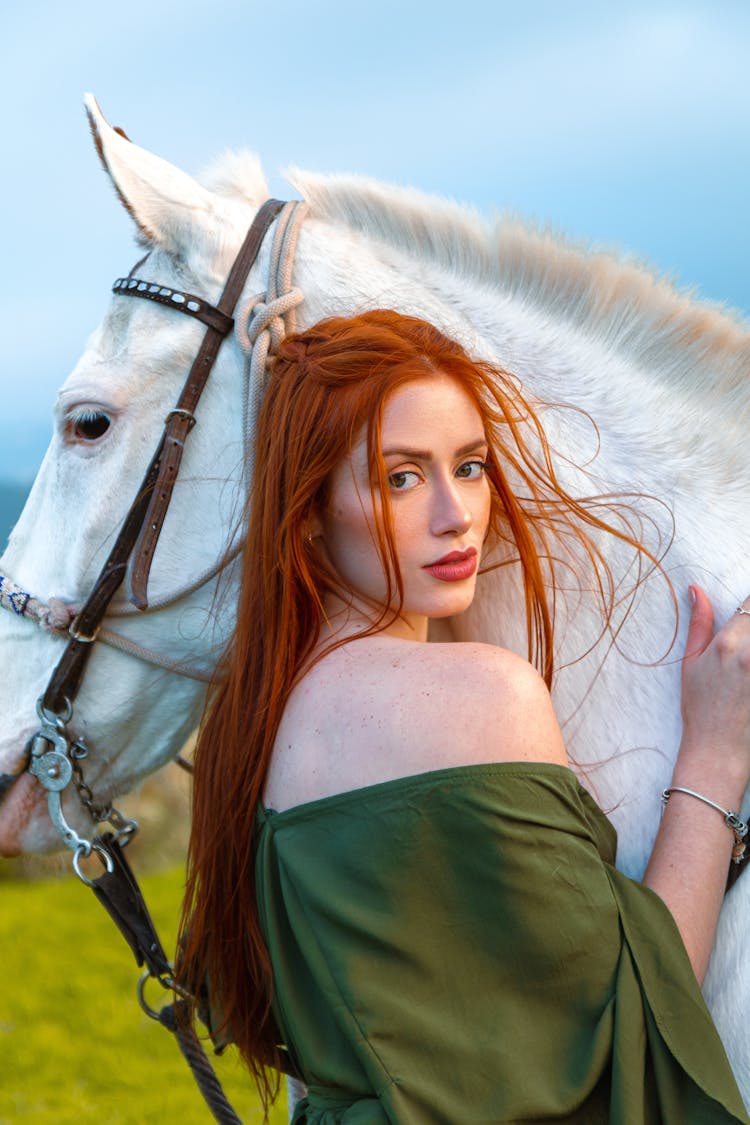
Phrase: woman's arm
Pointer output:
(692, 852)
(691, 855)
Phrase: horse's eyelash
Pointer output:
(80, 414)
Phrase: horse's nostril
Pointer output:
(6, 780)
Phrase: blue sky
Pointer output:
(622, 124)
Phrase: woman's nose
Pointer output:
(450, 513)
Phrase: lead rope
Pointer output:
(196, 1058)
(264, 320)
(56, 616)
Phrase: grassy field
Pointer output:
(75, 1046)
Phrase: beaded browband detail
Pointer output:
(175, 299)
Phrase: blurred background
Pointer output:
(622, 125)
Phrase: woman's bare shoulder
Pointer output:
(475, 702)
(381, 709)
(471, 665)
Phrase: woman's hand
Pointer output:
(716, 697)
(693, 848)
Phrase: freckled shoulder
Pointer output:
(379, 709)
(479, 703)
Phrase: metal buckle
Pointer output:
(83, 638)
(182, 414)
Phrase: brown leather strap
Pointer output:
(187, 303)
(150, 505)
(180, 421)
(118, 892)
(66, 679)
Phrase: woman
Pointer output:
(393, 871)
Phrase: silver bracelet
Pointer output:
(731, 819)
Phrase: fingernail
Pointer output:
(691, 595)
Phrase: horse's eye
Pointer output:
(92, 428)
(87, 425)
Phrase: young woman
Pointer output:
(393, 871)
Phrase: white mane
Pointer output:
(615, 300)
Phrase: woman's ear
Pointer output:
(314, 528)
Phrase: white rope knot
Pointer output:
(59, 615)
(260, 316)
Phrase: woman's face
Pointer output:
(434, 450)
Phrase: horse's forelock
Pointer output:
(236, 175)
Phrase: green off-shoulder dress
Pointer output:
(457, 948)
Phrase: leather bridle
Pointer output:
(142, 526)
(54, 753)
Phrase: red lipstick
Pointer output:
(456, 566)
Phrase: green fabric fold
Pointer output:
(457, 947)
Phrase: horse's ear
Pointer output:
(165, 203)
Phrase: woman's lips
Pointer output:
(455, 566)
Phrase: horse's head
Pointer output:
(133, 713)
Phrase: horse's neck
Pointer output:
(621, 714)
(666, 416)
(520, 284)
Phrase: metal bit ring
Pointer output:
(81, 853)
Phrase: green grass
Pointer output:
(74, 1044)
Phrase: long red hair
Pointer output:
(327, 386)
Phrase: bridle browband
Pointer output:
(187, 303)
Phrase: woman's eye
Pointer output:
(471, 470)
(403, 480)
(87, 425)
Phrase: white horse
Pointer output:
(665, 379)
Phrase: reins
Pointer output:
(54, 752)
(57, 615)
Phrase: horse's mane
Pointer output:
(617, 301)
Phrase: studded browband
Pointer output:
(187, 303)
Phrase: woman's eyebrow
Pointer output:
(426, 454)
